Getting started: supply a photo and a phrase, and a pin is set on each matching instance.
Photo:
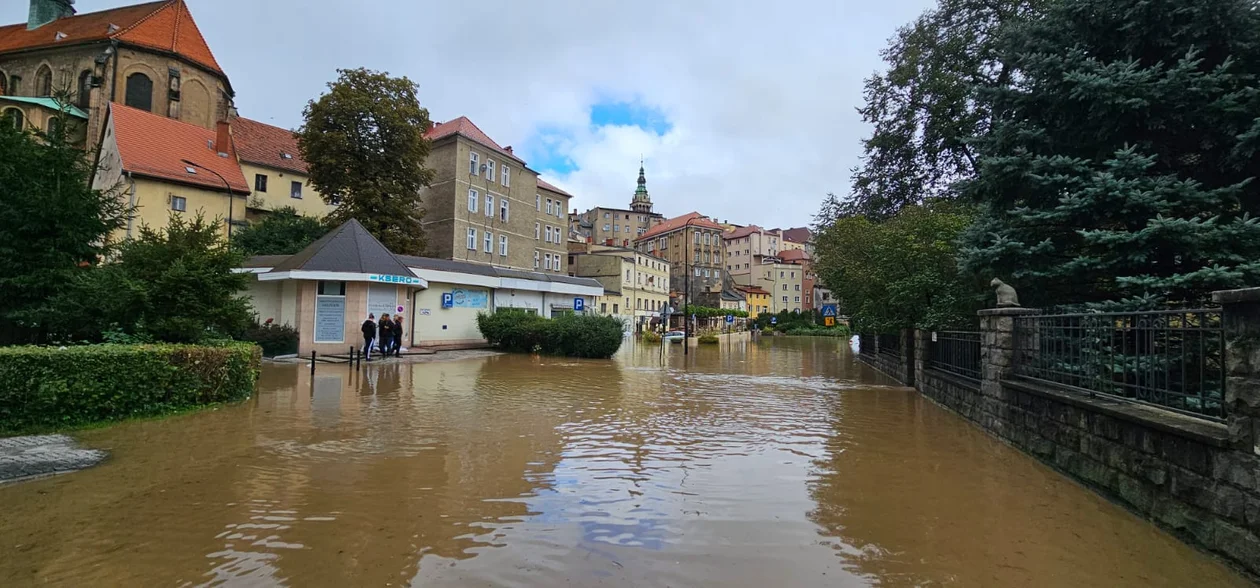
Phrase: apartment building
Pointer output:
(746, 248)
(692, 244)
(641, 280)
(486, 206)
(271, 163)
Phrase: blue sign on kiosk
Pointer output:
(579, 304)
(448, 300)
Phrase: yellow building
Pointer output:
(272, 165)
(642, 281)
(163, 166)
(758, 300)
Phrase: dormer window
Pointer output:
(59, 36)
(190, 170)
(284, 155)
(113, 28)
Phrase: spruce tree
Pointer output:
(1121, 168)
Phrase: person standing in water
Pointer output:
(385, 334)
(397, 335)
(369, 336)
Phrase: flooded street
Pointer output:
(782, 463)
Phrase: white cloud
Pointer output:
(761, 95)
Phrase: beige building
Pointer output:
(485, 205)
(747, 248)
(784, 282)
(692, 244)
(274, 169)
(641, 279)
(618, 227)
(148, 56)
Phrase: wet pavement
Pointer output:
(779, 463)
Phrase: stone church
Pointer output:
(148, 56)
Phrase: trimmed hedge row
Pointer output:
(570, 335)
(50, 388)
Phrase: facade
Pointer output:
(809, 280)
(327, 290)
(485, 205)
(746, 248)
(148, 56)
(799, 238)
(692, 244)
(276, 173)
(756, 300)
(641, 279)
(143, 156)
(618, 227)
(784, 282)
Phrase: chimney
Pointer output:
(223, 138)
(508, 149)
(45, 11)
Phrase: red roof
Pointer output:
(546, 186)
(743, 232)
(165, 26)
(153, 146)
(797, 235)
(267, 145)
(791, 255)
(696, 220)
(465, 127)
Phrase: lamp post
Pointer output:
(687, 288)
(226, 186)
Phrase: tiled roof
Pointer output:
(752, 290)
(547, 186)
(265, 144)
(742, 232)
(678, 222)
(797, 235)
(165, 26)
(349, 248)
(791, 255)
(152, 145)
(465, 127)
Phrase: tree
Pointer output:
(899, 273)
(925, 109)
(53, 226)
(1121, 168)
(364, 144)
(282, 232)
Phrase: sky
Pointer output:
(744, 111)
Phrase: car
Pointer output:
(673, 336)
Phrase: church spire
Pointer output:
(641, 201)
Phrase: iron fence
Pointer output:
(889, 344)
(956, 352)
(866, 344)
(1173, 359)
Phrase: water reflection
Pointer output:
(782, 462)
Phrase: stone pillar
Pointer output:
(997, 347)
(907, 356)
(1240, 315)
(921, 341)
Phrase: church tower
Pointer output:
(641, 201)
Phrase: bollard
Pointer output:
(350, 360)
(312, 362)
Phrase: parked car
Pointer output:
(673, 336)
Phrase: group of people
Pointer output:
(386, 335)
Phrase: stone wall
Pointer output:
(1198, 479)
(901, 368)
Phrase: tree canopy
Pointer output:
(1121, 165)
(281, 232)
(364, 144)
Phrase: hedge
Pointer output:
(708, 340)
(570, 335)
(43, 388)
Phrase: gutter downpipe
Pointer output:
(131, 200)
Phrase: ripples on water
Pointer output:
(782, 463)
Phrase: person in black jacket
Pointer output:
(385, 334)
(369, 335)
(398, 335)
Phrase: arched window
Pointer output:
(43, 81)
(4, 84)
(139, 92)
(85, 89)
(52, 126)
(13, 118)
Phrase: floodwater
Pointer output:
(781, 463)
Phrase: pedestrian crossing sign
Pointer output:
(829, 311)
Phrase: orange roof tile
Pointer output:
(547, 186)
(265, 144)
(153, 146)
(754, 290)
(696, 220)
(742, 232)
(791, 255)
(165, 26)
(465, 127)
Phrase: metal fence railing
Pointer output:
(956, 352)
(889, 344)
(866, 344)
(1172, 359)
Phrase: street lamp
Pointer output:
(687, 288)
(226, 186)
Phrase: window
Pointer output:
(488, 242)
(616, 228)
(490, 169)
(798, 298)
(85, 89)
(139, 92)
(4, 84)
(537, 231)
(549, 206)
(15, 85)
(473, 197)
(697, 272)
(52, 126)
(605, 215)
(638, 304)
(179, 203)
(706, 238)
(503, 245)
(706, 273)
(697, 236)
(43, 81)
(295, 189)
(603, 308)
(558, 265)
(697, 257)
(627, 275)
(614, 308)
(559, 209)
(547, 262)
(785, 287)
(548, 233)
(489, 205)
(536, 259)
(507, 176)
(785, 299)
(260, 182)
(472, 239)
(798, 287)
(793, 274)
(781, 276)
(503, 209)
(537, 202)
(472, 163)
(662, 243)
(606, 227)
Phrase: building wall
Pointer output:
(704, 261)
(557, 220)
(278, 192)
(66, 64)
(780, 280)
(356, 312)
(265, 299)
(619, 226)
(434, 325)
(744, 253)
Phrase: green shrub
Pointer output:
(273, 338)
(650, 337)
(51, 388)
(836, 331)
(708, 340)
(570, 335)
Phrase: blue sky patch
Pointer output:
(550, 145)
(633, 114)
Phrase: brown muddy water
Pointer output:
(781, 463)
